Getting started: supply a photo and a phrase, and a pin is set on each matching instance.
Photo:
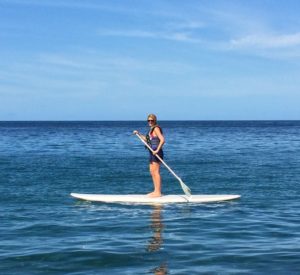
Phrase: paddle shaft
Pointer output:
(160, 159)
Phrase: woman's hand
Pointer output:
(155, 152)
(135, 132)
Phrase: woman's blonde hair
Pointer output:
(152, 116)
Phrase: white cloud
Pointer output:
(85, 73)
(185, 24)
(170, 35)
(267, 41)
(129, 33)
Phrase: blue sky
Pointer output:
(120, 60)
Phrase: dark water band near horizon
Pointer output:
(45, 231)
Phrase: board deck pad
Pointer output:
(144, 199)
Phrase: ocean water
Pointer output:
(45, 231)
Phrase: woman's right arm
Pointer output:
(135, 132)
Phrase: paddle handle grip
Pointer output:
(160, 159)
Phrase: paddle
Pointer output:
(184, 187)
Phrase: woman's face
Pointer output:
(150, 121)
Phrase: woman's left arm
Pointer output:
(159, 134)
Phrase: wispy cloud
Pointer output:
(185, 24)
(86, 74)
(171, 35)
(99, 62)
(267, 41)
(174, 28)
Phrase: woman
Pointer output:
(156, 141)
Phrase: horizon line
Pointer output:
(161, 120)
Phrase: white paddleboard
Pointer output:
(144, 199)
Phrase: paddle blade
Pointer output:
(185, 189)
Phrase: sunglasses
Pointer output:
(150, 120)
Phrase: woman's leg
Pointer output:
(155, 173)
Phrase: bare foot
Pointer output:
(154, 195)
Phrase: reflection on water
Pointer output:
(157, 227)
(161, 270)
(156, 241)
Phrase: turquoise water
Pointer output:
(43, 230)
